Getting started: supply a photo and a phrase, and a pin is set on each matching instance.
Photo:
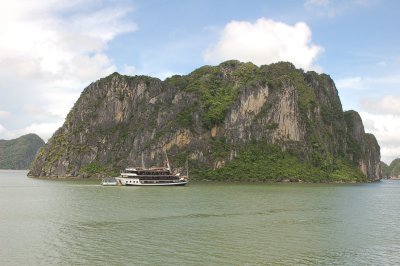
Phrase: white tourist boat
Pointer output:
(155, 176)
(150, 177)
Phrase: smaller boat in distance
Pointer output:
(154, 176)
(110, 181)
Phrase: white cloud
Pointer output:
(49, 51)
(349, 83)
(4, 114)
(2, 129)
(265, 41)
(389, 105)
(165, 74)
(385, 127)
(7, 134)
(128, 70)
(364, 83)
(59, 45)
(44, 130)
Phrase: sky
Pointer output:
(50, 50)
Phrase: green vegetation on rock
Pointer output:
(19, 153)
(267, 162)
(385, 170)
(96, 168)
(392, 170)
(218, 88)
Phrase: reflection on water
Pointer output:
(68, 222)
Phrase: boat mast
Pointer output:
(187, 169)
(143, 162)
(168, 166)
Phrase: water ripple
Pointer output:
(79, 223)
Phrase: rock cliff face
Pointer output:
(391, 171)
(219, 118)
(363, 147)
(19, 153)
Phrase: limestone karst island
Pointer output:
(18, 153)
(234, 121)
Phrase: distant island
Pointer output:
(235, 121)
(19, 153)
(391, 171)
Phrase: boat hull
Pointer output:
(136, 182)
(109, 182)
(157, 184)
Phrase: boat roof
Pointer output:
(145, 169)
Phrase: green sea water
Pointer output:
(79, 222)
